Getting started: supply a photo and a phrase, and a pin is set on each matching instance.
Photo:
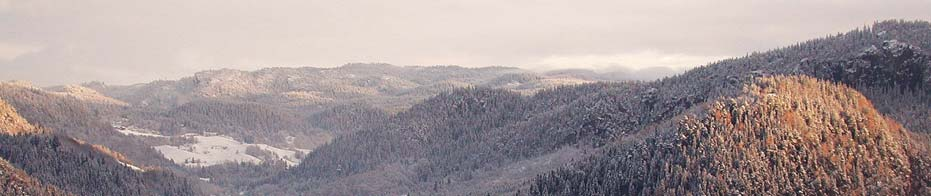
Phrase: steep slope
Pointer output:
(14, 181)
(85, 169)
(91, 169)
(457, 142)
(348, 118)
(66, 115)
(54, 112)
(783, 135)
(885, 62)
(420, 132)
(10, 121)
(242, 116)
(87, 95)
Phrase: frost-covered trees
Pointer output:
(454, 137)
(80, 169)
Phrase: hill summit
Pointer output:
(781, 135)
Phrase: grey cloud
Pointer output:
(128, 41)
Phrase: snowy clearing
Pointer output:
(212, 150)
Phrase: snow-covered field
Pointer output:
(212, 150)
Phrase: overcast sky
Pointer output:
(53, 42)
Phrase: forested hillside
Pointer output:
(57, 112)
(85, 170)
(66, 115)
(35, 162)
(10, 121)
(885, 62)
(783, 135)
(455, 141)
(14, 181)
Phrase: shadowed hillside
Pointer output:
(14, 181)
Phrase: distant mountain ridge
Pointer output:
(314, 86)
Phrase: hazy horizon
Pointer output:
(125, 42)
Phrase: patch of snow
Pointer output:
(130, 166)
(218, 149)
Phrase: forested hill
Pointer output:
(885, 62)
(65, 114)
(85, 169)
(782, 135)
(13, 181)
(488, 141)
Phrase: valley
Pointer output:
(846, 114)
